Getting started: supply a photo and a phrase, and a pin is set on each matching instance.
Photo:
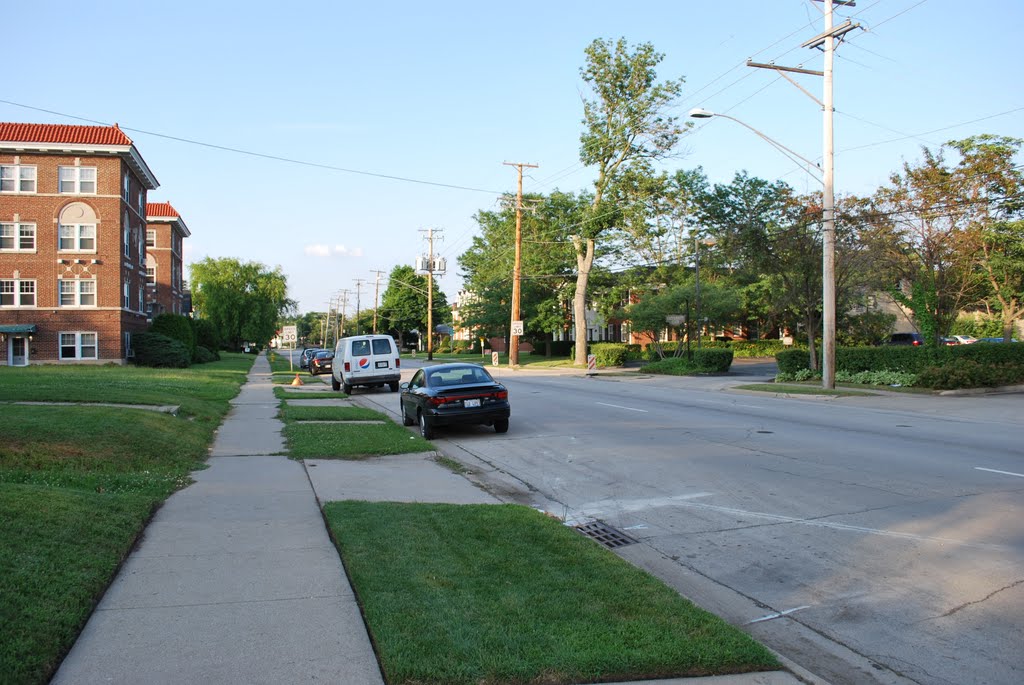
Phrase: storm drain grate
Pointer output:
(605, 534)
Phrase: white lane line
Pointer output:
(820, 523)
(1005, 473)
(778, 614)
(621, 407)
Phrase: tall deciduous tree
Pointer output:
(404, 303)
(244, 300)
(625, 128)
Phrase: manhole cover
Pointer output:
(605, 534)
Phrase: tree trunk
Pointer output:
(579, 303)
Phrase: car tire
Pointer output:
(393, 386)
(346, 388)
(312, 372)
(335, 385)
(426, 430)
(501, 426)
(406, 421)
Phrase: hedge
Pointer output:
(153, 349)
(609, 354)
(954, 366)
(705, 360)
(175, 326)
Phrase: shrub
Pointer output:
(609, 354)
(791, 361)
(968, 373)
(175, 326)
(206, 334)
(978, 325)
(704, 361)
(154, 349)
(205, 356)
(756, 348)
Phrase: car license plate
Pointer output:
(471, 403)
(382, 365)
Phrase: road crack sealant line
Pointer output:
(979, 601)
(789, 663)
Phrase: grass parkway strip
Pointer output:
(79, 483)
(501, 594)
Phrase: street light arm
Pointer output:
(774, 143)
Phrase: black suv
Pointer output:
(914, 339)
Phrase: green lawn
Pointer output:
(503, 594)
(78, 484)
(321, 413)
(350, 441)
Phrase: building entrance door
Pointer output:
(17, 352)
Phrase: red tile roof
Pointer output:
(60, 133)
(161, 209)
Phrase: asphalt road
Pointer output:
(866, 539)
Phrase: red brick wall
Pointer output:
(106, 264)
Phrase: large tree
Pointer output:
(626, 128)
(546, 266)
(403, 305)
(243, 300)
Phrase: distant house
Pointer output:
(165, 235)
(72, 243)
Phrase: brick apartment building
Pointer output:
(72, 243)
(165, 235)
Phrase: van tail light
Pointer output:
(398, 362)
(916, 343)
(348, 366)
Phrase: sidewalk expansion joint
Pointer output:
(148, 607)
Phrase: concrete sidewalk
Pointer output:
(236, 579)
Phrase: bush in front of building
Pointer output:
(206, 334)
(154, 349)
(204, 355)
(704, 360)
(175, 326)
(609, 354)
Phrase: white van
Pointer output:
(368, 360)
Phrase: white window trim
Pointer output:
(78, 345)
(18, 304)
(78, 238)
(18, 225)
(18, 179)
(77, 180)
(77, 293)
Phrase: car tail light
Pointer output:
(398, 362)
(502, 395)
(348, 366)
(916, 343)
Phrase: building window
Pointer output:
(124, 189)
(142, 297)
(150, 237)
(17, 179)
(150, 275)
(18, 237)
(126, 296)
(78, 345)
(78, 237)
(77, 292)
(17, 293)
(78, 180)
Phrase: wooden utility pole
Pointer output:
(430, 293)
(376, 297)
(359, 293)
(515, 328)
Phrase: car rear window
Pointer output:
(360, 347)
(381, 346)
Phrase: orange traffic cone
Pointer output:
(297, 381)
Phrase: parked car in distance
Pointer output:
(367, 360)
(914, 339)
(321, 362)
(306, 355)
(454, 394)
(995, 340)
(963, 339)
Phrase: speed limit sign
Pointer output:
(289, 334)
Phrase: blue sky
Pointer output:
(446, 92)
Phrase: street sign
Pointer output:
(289, 334)
(494, 358)
(517, 328)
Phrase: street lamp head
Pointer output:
(701, 113)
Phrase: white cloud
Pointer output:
(336, 251)
(318, 250)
